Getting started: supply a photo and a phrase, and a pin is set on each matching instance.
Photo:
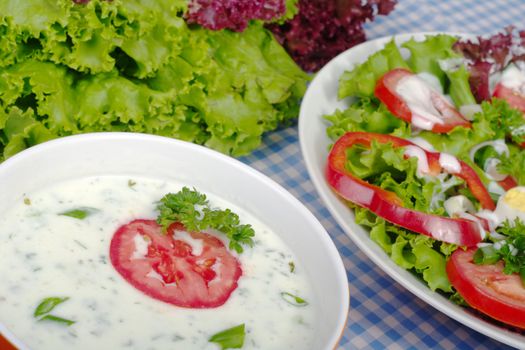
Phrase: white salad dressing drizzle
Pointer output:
(449, 163)
(431, 80)
(46, 255)
(468, 111)
(422, 161)
(417, 95)
(458, 204)
(421, 142)
(513, 78)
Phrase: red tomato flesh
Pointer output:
(172, 270)
(487, 289)
(385, 91)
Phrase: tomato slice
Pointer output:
(514, 98)
(187, 269)
(444, 116)
(487, 289)
(389, 206)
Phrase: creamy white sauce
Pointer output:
(45, 254)
(449, 163)
(421, 142)
(458, 204)
(514, 78)
(468, 111)
(417, 94)
(451, 64)
(431, 80)
(422, 161)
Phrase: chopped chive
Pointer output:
(57, 319)
(293, 299)
(47, 305)
(79, 213)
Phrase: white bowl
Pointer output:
(321, 99)
(208, 171)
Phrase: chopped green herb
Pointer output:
(232, 338)
(293, 299)
(57, 319)
(192, 209)
(46, 306)
(27, 201)
(511, 249)
(79, 213)
(292, 266)
(486, 255)
(131, 183)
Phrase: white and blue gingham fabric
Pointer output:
(383, 314)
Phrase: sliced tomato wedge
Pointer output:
(187, 269)
(514, 98)
(390, 207)
(440, 116)
(487, 289)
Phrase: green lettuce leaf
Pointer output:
(365, 115)
(419, 254)
(425, 55)
(361, 80)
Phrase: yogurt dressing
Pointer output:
(46, 255)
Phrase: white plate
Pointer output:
(210, 172)
(321, 99)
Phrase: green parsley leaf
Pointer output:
(510, 250)
(79, 213)
(232, 338)
(193, 210)
(293, 299)
(487, 255)
(47, 305)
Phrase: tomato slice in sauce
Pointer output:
(187, 269)
(487, 289)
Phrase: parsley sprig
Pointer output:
(192, 209)
(511, 249)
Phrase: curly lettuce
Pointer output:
(137, 66)
(411, 251)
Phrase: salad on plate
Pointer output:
(429, 153)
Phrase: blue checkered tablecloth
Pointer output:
(383, 314)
